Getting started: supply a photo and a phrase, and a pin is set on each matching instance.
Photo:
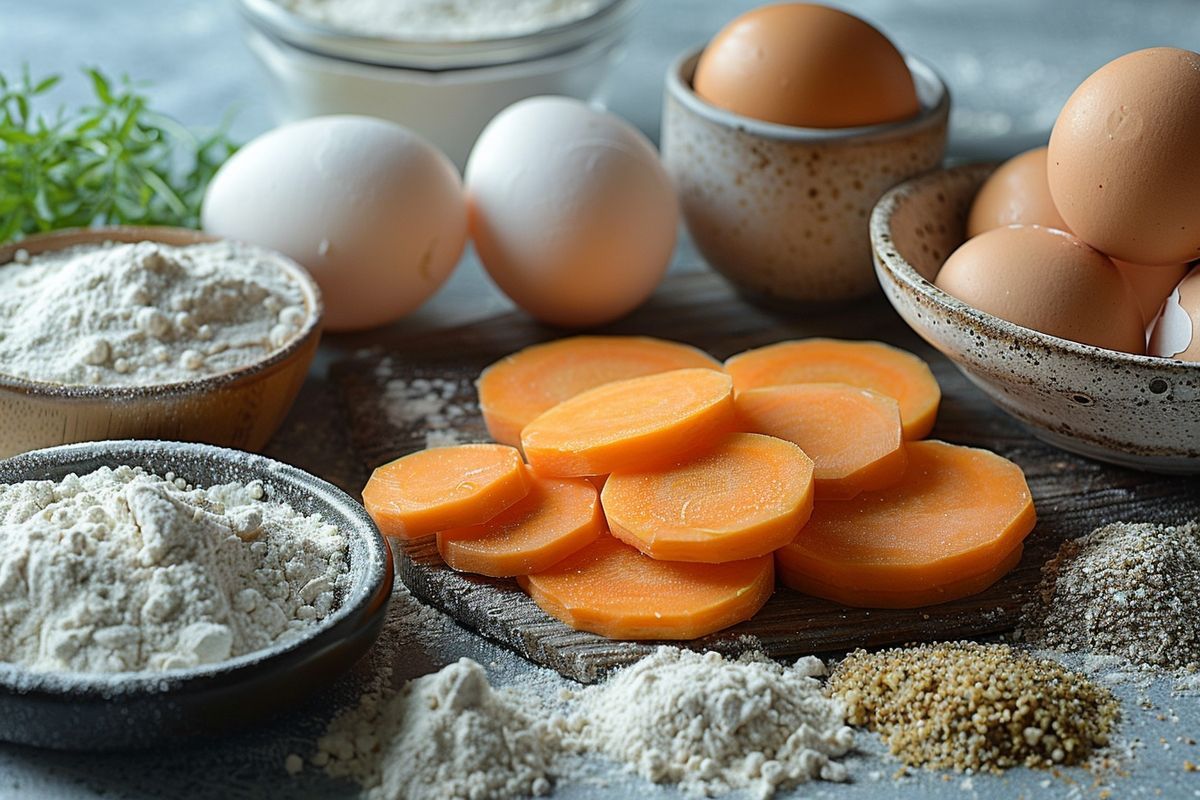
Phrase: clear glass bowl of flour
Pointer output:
(443, 68)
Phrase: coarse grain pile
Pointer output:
(967, 706)
(1125, 590)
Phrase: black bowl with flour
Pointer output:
(129, 710)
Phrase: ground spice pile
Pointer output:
(971, 706)
(1126, 590)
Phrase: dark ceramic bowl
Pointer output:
(1137, 411)
(117, 711)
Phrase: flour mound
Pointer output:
(120, 570)
(445, 736)
(714, 725)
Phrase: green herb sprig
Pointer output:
(112, 161)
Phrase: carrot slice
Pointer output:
(746, 497)
(958, 512)
(556, 518)
(912, 598)
(611, 589)
(519, 387)
(867, 365)
(852, 435)
(444, 487)
(638, 423)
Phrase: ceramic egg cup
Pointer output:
(240, 408)
(1132, 410)
(782, 211)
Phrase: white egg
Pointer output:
(571, 211)
(372, 210)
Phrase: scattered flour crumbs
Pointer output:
(119, 570)
(709, 724)
(427, 405)
(137, 314)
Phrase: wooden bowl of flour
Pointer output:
(239, 408)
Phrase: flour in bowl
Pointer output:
(444, 20)
(144, 313)
(119, 570)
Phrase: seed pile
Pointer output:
(1125, 590)
(971, 706)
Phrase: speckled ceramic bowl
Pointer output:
(125, 710)
(240, 408)
(781, 211)
(1136, 411)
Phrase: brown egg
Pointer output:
(1124, 160)
(1017, 193)
(1047, 280)
(806, 65)
(1177, 331)
(1151, 285)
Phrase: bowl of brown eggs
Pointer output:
(1065, 282)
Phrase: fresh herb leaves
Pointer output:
(113, 161)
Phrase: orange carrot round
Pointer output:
(519, 387)
(911, 598)
(957, 513)
(867, 365)
(611, 589)
(638, 423)
(444, 487)
(745, 497)
(558, 517)
(852, 435)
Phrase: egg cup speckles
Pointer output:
(1137, 411)
(781, 211)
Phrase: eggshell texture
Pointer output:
(1177, 331)
(373, 211)
(571, 212)
(806, 65)
(1017, 193)
(1151, 285)
(1047, 280)
(1124, 159)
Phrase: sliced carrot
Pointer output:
(638, 423)
(444, 487)
(598, 481)
(558, 517)
(747, 496)
(867, 365)
(519, 387)
(611, 589)
(957, 513)
(852, 435)
(912, 598)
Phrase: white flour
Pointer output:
(119, 570)
(713, 725)
(137, 314)
(428, 405)
(445, 736)
(445, 20)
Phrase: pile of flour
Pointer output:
(119, 570)
(144, 313)
(444, 20)
(714, 725)
(445, 736)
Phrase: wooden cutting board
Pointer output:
(1073, 495)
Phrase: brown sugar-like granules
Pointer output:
(1127, 590)
(972, 706)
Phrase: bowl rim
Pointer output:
(430, 54)
(175, 237)
(932, 114)
(371, 592)
(893, 264)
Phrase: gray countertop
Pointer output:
(1009, 64)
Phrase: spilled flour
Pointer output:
(428, 407)
(714, 725)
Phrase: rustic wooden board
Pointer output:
(1073, 495)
